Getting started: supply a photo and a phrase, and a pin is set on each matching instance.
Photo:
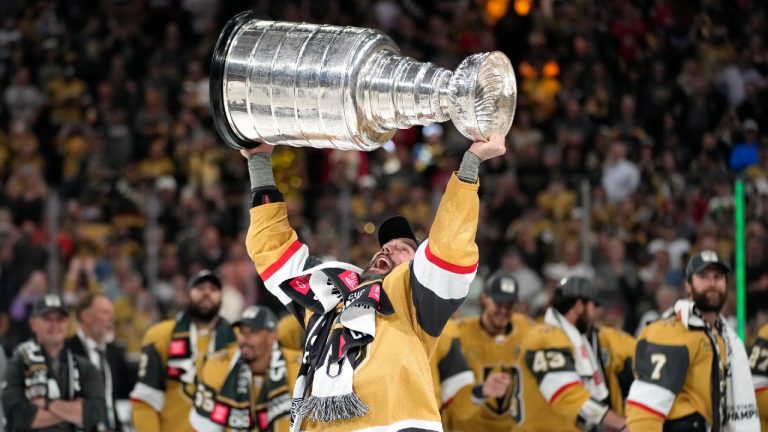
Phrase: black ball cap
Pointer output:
(502, 288)
(257, 318)
(396, 227)
(205, 276)
(48, 303)
(704, 259)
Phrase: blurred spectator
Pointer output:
(665, 298)
(35, 288)
(745, 153)
(135, 312)
(669, 240)
(620, 176)
(737, 76)
(531, 292)
(570, 264)
(23, 99)
(616, 281)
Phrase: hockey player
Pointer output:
(691, 369)
(247, 385)
(173, 351)
(563, 385)
(490, 343)
(370, 332)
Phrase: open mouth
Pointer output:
(383, 263)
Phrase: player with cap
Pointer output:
(173, 352)
(247, 385)
(692, 372)
(365, 326)
(563, 386)
(47, 387)
(490, 342)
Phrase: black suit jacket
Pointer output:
(123, 375)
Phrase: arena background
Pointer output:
(634, 119)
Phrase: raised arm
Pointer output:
(272, 243)
(445, 264)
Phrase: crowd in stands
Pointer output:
(634, 119)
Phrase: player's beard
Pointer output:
(705, 304)
(582, 323)
(369, 274)
(203, 314)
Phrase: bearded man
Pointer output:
(173, 352)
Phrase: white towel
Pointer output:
(586, 362)
(740, 406)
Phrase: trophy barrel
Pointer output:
(346, 88)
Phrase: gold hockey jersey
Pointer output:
(758, 362)
(158, 402)
(673, 370)
(486, 354)
(216, 408)
(552, 393)
(616, 351)
(394, 379)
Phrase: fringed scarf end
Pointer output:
(330, 408)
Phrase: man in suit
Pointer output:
(93, 340)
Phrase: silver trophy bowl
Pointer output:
(347, 88)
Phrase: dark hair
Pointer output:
(86, 302)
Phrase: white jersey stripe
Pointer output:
(291, 263)
(553, 382)
(200, 423)
(152, 396)
(450, 386)
(651, 396)
(441, 280)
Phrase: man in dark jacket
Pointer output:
(93, 340)
(47, 387)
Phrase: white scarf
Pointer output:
(740, 406)
(325, 289)
(586, 362)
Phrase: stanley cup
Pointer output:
(347, 88)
